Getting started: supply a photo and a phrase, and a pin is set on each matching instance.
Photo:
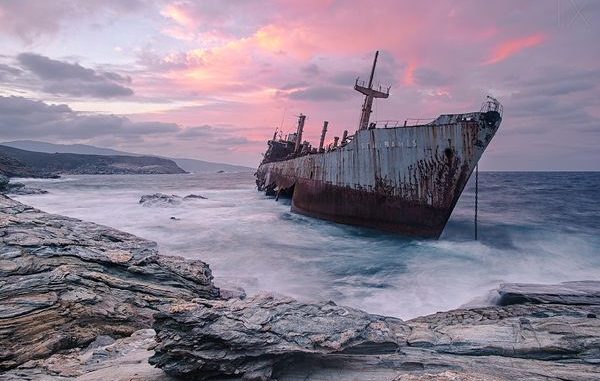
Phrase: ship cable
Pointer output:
(476, 195)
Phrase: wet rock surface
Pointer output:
(166, 200)
(63, 282)
(263, 338)
(255, 336)
(77, 301)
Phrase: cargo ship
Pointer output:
(399, 177)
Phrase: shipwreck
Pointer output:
(399, 177)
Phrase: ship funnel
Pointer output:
(323, 132)
(301, 120)
(370, 94)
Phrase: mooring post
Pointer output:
(476, 195)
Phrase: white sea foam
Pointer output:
(252, 241)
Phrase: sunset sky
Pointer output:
(211, 79)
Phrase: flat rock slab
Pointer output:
(64, 281)
(254, 336)
(574, 293)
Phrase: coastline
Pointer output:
(80, 300)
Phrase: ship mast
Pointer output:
(370, 94)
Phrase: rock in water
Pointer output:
(160, 199)
(194, 197)
(3, 182)
(163, 200)
(63, 282)
(21, 189)
(6, 187)
(252, 336)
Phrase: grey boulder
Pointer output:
(252, 338)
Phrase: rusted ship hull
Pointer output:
(405, 180)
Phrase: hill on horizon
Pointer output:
(189, 165)
(16, 162)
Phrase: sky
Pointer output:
(212, 79)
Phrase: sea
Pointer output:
(533, 227)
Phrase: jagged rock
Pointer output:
(194, 197)
(64, 282)
(160, 199)
(253, 336)
(558, 332)
(163, 200)
(6, 187)
(104, 359)
(267, 337)
(21, 189)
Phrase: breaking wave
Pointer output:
(533, 227)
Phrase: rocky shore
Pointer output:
(80, 301)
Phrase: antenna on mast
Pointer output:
(370, 94)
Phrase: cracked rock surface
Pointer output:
(269, 337)
(252, 336)
(63, 282)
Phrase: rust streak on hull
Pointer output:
(362, 208)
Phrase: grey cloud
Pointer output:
(66, 78)
(22, 118)
(321, 93)
(430, 77)
(344, 78)
(82, 89)
(558, 81)
(294, 85)
(25, 118)
(9, 69)
(311, 69)
(213, 137)
(31, 20)
(230, 17)
(197, 132)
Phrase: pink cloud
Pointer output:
(514, 46)
(239, 63)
